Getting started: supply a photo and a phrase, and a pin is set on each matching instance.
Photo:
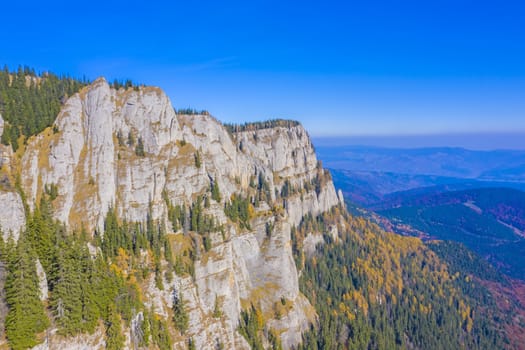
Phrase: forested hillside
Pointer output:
(371, 289)
(490, 221)
(85, 290)
(377, 290)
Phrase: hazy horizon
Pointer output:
(469, 141)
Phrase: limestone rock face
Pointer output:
(12, 215)
(287, 151)
(92, 158)
(79, 342)
(129, 150)
(42, 280)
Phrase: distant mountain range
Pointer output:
(367, 188)
(473, 197)
(500, 165)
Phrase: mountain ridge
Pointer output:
(127, 151)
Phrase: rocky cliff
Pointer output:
(129, 151)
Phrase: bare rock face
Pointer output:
(12, 215)
(42, 280)
(287, 151)
(93, 160)
(79, 342)
(129, 150)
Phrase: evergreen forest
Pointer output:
(30, 102)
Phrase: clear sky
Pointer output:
(339, 67)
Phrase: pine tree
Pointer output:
(180, 315)
(145, 328)
(40, 233)
(197, 159)
(215, 192)
(66, 297)
(217, 308)
(3, 272)
(139, 149)
(104, 287)
(114, 337)
(26, 316)
(120, 138)
(3, 252)
(131, 139)
(191, 344)
(90, 311)
(159, 333)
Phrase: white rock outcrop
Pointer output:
(129, 150)
(12, 215)
(42, 280)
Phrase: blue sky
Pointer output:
(340, 67)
